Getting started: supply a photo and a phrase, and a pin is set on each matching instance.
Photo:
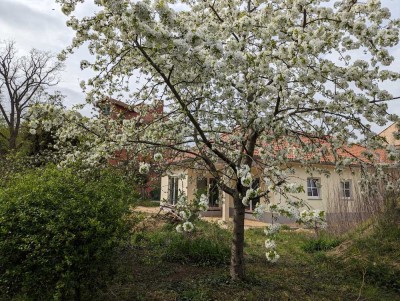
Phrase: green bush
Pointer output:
(58, 232)
(322, 243)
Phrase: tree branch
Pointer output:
(184, 107)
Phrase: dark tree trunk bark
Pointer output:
(237, 258)
(12, 142)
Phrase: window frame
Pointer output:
(213, 192)
(173, 189)
(106, 109)
(317, 187)
(343, 189)
(210, 185)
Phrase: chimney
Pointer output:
(159, 107)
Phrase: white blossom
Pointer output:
(259, 211)
(187, 227)
(247, 180)
(294, 187)
(158, 157)
(272, 229)
(272, 256)
(144, 168)
(183, 215)
(203, 202)
(270, 244)
(179, 228)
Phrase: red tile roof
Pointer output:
(352, 151)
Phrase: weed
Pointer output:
(322, 243)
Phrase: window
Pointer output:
(345, 189)
(253, 203)
(209, 187)
(202, 186)
(173, 190)
(292, 152)
(313, 188)
(106, 109)
(213, 193)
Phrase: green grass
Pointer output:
(164, 265)
(322, 243)
(148, 203)
(208, 246)
(377, 254)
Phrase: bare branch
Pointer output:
(21, 79)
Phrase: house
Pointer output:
(320, 191)
(389, 135)
(118, 110)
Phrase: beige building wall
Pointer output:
(187, 185)
(164, 188)
(191, 183)
(388, 135)
(329, 187)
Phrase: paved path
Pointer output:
(150, 210)
(247, 222)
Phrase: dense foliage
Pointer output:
(59, 231)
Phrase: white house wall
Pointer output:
(164, 188)
(328, 192)
(191, 183)
(330, 187)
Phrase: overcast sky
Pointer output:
(40, 24)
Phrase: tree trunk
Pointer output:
(237, 260)
(12, 141)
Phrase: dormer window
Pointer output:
(106, 109)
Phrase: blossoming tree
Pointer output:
(23, 81)
(237, 79)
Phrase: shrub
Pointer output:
(58, 232)
(155, 193)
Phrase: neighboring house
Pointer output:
(388, 134)
(118, 110)
(319, 190)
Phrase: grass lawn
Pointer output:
(163, 265)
